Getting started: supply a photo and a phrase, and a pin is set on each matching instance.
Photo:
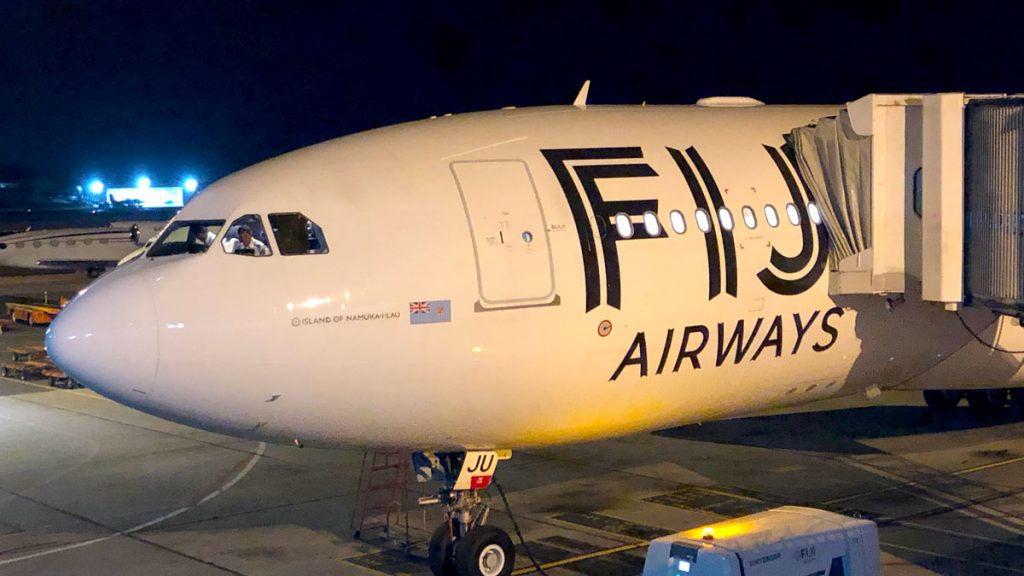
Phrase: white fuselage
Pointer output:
(557, 330)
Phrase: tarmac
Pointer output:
(91, 487)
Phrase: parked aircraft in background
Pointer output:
(527, 277)
(92, 250)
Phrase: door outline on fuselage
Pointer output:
(484, 304)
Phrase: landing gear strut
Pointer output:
(464, 544)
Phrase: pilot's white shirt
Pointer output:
(259, 248)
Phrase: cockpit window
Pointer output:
(246, 236)
(186, 237)
(297, 234)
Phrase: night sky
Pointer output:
(112, 88)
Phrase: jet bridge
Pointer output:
(922, 188)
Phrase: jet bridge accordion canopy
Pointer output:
(994, 203)
(835, 163)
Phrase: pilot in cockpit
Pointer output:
(246, 244)
(204, 235)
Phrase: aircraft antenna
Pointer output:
(581, 98)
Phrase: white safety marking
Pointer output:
(971, 562)
(991, 516)
(248, 467)
(958, 534)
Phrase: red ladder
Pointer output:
(382, 498)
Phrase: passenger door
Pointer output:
(510, 239)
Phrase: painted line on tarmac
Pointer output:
(914, 483)
(957, 533)
(241, 474)
(971, 562)
(580, 558)
(991, 516)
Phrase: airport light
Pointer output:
(143, 182)
(191, 184)
(96, 186)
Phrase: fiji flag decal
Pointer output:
(430, 311)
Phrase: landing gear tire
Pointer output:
(942, 400)
(986, 401)
(439, 551)
(485, 551)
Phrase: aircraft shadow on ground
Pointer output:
(837, 431)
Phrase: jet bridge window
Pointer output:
(185, 237)
(246, 237)
(918, 205)
(297, 234)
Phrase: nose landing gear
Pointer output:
(464, 544)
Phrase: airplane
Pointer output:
(91, 250)
(465, 285)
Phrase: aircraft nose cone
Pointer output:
(106, 339)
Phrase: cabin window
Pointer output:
(297, 234)
(703, 220)
(19, 244)
(749, 218)
(675, 218)
(185, 237)
(771, 216)
(247, 237)
(725, 217)
(623, 225)
(87, 241)
(793, 214)
(813, 213)
(71, 242)
(651, 224)
(54, 243)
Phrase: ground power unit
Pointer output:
(786, 541)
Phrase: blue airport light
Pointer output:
(96, 187)
(191, 184)
(143, 182)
